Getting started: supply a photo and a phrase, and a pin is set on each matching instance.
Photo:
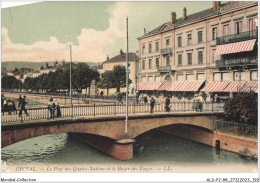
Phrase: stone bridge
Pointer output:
(106, 133)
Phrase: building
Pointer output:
(195, 50)
(120, 59)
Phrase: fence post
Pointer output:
(94, 108)
(114, 108)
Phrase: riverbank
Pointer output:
(241, 145)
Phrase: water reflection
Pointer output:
(153, 146)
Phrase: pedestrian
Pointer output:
(23, 103)
(101, 93)
(167, 104)
(2, 103)
(119, 97)
(5, 106)
(51, 107)
(152, 102)
(137, 96)
(57, 106)
(19, 100)
(200, 101)
(145, 98)
(196, 102)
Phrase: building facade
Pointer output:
(218, 44)
(120, 59)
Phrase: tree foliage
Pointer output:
(242, 108)
(82, 76)
(10, 83)
(114, 79)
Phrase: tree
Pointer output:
(83, 76)
(242, 108)
(10, 83)
(105, 81)
(119, 77)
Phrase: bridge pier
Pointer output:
(121, 149)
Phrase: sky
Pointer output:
(44, 31)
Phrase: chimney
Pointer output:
(184, 13)
(107, 57)
(216, 5)
(144, 31)
(173, 17)
(121, 52)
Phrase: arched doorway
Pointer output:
(168, 78)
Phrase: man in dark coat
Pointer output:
(167, 104)
(23, 103)
(19, 100)
(152, 102)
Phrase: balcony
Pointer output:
(243, 36)
(237, 62)
(166, 51)
(164, 69)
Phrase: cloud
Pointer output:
(93, 45)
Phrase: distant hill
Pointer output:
(36, 65)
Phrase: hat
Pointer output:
(196, 95)
(24, 96)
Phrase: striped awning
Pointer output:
(164, 86)
(148, 85)
(215, 86)
(235, 86)
(186, 86)
(235, 47)
(250, 86)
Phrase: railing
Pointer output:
(243, 36)
(109, 109)
(237, 129)
(236, 62)
(164, 69)
(166, 51)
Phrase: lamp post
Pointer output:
(126, 119)
(71, 83)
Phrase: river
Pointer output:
(153, 147)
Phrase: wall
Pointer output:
(237, 145)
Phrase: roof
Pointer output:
(193, 18)
(122, 58)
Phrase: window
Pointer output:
(150, 64)
(189, 58)
(214, 33)
(201, 76)
(150, 48)
(180, 60)
(225, 30)
(213, 56)
(252, 24)
(143, 79)
(157, 62)
(143, 49)
(238, 27)
(199, 36)
(179, 42)
(226, 76)
(180, 77)
(239, 76)
(143, 64)
(253, 75)
(217, 76)
(200, 57)
(167, 43)
(189, 77)
(167, 60)
(157, 78)
(189, 39)
(168, 78)
(150, 78)
(156, 46)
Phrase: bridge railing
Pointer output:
(109, 109)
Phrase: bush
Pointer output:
(242, 108)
